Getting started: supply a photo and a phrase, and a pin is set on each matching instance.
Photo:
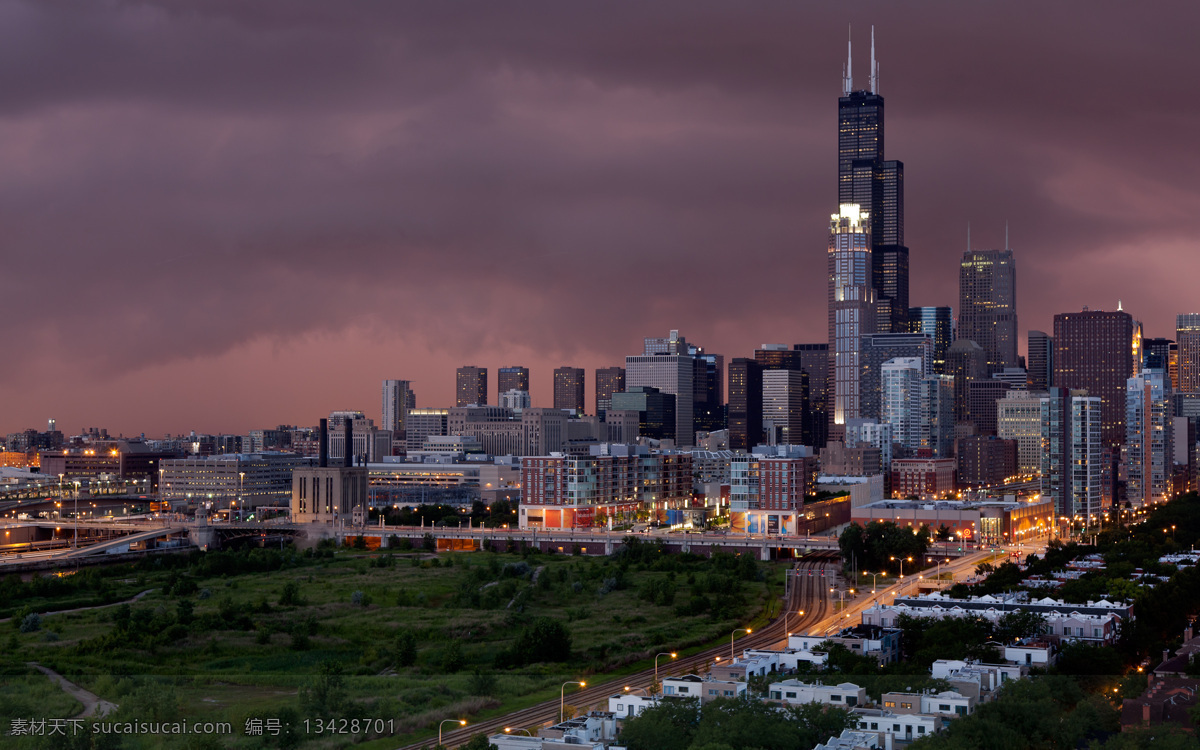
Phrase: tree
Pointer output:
(670, 725)
(325, 693)
(479, 742)
(405, 650)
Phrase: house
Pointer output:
(704, 688)
(625, 705)
(851, 740)
(1032, 652)
(1167, 700)
(795, 692)
(875, 641)
(750, 663)
(946, 704)
(979, 681)
(896, 727)
(593, 731)
(789, 659)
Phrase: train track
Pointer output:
(807, 592)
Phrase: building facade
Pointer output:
(1187, 340)
(987, 305)
(471, 386)
(1149, 450)
(938, 324)
(512, 378)
(568, 389)
(851, 311)
(609, 380)
(1094, 350)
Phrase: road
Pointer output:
(807, 592)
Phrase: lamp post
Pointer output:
(731, 637)
(462, 722)
(785, 619)
(562, 698)
(901, 560)
(671, 654)
(241, 485)
(75, 538)
(644, 690)
(509, 730)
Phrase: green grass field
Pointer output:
(406, 638)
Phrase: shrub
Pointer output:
(31, 623)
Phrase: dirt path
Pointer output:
(92, 703)
(135, 598)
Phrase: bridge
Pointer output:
(205, 534)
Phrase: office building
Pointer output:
(982, 395)
(878, 348)
(709, 395)
(766, 492)
(1157, 355)
(851, 301)
(369, 442)
(923, 478)
(868, 433)
(657, 416)
(966, 362)
(985, 461)
(745, 404)
(1094, 350)
(876, 186)
(1019, 418)
(515, 400)
(1071, 453)
(512, 378)
(784, 403)
(1039, 361)
(937, 415)
(938, 324)
(398, 398)
(814, 360)
(665, 364)
(424, 423)
(1149, 451)
(987, 305)
(568, 389)
(609, 380)
(472, 386)
(1187, 338)
(236, 481)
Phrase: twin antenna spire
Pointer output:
(848, 71)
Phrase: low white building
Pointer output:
(1032, 652)
(980, 681)
(594, 731)
(795, 692)
(851, 740)
(947, 703)
(789, 659)
(758, 662)
(879, 643)
(704, 688)
(896, 727)
(625, 705)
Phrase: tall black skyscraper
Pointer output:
(877, 186)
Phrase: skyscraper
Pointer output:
(877, 348)
(1187, 337)
(901, 382)
(987, 305)
(1149, 450)
(513, 378)
(665, 364)
(784, 402)
(398, 398)
(938, 323)
(1040, 361)
(814, 361)
(609, 380)
(745, 404)
(568, 389)
(1071, 453)
(1093, 350)
(471, 386)
(866, 179)
(709, 407)
(851, 302)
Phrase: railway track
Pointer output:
(807, 591)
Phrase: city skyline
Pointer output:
(236, 218)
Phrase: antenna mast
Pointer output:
(874, 77)
(848, 71)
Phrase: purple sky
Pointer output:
(233, 215)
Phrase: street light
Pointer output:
(901, 559)
(731, 636)
(644, 690)
(75, 538)
(785, 619)
(509, 730)
(562, 698)
(462, 722)
(671, 654)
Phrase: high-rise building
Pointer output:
(666, 364)
(966, 362)
(1071, 453)
(1019, 418)
(471, 386)
(1094, 350)
(982, 395)
(937, 415)
(1040, 361)
(1149, 450)
(987, 305)
(516, 400)
(814, 361)
(568, 389)
(514, 378)
(985, 461)
(878, 348)
(1156, 355)
(609, 380)
(1187, 337)
(745, 404)
(784, 402)
(424, 423)
(398, 398)
(938, 324)
(876, 185)
(851, 301)
(901, 379)
(709, 408)
(657, 410)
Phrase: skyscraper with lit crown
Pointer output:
(851, 308)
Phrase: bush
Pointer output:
(290, 596)
(31, 623)
(452, 658)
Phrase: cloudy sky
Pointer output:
(222, 216)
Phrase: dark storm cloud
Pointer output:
(182, 180)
